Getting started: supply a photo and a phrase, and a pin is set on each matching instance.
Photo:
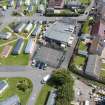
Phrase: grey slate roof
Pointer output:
(59, 31)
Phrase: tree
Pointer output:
(63, 81)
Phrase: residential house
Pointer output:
(3, 86)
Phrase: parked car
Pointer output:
(45, 79)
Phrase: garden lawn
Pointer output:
(12, 90)
(102, 73)
(21, 59)
(82, 46)
(85, 1)
(79, 60)
(85, 29)
(43, 95)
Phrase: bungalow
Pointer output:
(18, 48)
(3, 86)
(13, 100)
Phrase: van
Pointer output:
(45, 79)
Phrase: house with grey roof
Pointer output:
(3, 86)
(61, 32)
(93, 65)
(13, 100)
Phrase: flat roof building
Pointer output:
(18, 47)
(61, 32)
(14, 100)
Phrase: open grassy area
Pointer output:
(43, 95)
(102, 73)
(79, 60)
(103, 66)
(85, 1)
(85, 29)
(82, 46)
(21, 59)
(13, 90)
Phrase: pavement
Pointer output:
(82, 91)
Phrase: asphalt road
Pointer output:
(34, 75)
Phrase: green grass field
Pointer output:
(43, 95)
(85, 1)
(82, 46)
(12, 90)
(79, 60)
(21, 59)
(85, 29)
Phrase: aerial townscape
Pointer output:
(52, 52)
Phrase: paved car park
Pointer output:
(48, 56)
